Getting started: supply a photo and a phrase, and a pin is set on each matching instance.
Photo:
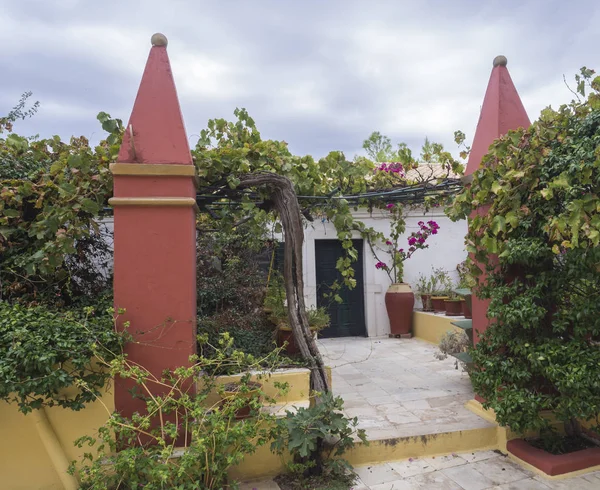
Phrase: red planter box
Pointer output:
(553, 464)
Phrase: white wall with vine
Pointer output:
(446, 250)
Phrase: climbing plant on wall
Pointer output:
(538, 241)
(51, 195)
(51, 200)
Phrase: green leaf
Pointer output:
(498, 224)
(10, 213)
(90, 206)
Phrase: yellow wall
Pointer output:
(431, 327)
(24, 461)
(298, 381)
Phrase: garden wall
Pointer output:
(25, 463)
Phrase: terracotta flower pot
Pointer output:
(231, 392)
(399, 302)
(284, 334)
(466, 307)
(454, 307)
(426, 300)
(437, 303)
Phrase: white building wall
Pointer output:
(446, 250)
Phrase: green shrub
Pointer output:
(211, 438)
(539, 243)
(44, 352)
(257, 342)
(317, 438)
(452, 342)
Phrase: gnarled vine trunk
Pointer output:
(284, 198)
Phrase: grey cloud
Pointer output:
(319, 75)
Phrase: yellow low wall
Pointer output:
(431, 327)
(34, 447)
(25, 463)
(298, 381)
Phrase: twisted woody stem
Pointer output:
(286, 204)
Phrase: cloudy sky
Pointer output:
(319, 74)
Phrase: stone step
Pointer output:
(280, 410)
(466, 325)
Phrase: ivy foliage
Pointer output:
(46, 355)
(51, 196)
(535, 231)
(228, 149)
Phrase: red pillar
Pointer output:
(155, 230)
(501, 112)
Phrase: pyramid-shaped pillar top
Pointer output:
(502, 111)
(155, 133)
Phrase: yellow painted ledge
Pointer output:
(153, 170)
(431, 327)
(380, 451)
(503, 434)
(153, 201)
(298, 381)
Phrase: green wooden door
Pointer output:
(348, 317)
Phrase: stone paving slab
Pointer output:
(397, 388)
(483, 470)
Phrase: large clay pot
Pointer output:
(399, 302)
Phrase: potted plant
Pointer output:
(248, 391)
(276, 305)
(399, 298)
(466, 283)
(454, 304)
(318, 319)
(425, 288)
(441, 286)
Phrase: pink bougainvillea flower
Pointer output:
(389, 205)
(412, 240)
(380, 265)
(388, 242)
(393, 167)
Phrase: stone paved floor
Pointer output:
(397, 388)
(484, 470)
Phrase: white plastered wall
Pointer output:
(446, 250)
